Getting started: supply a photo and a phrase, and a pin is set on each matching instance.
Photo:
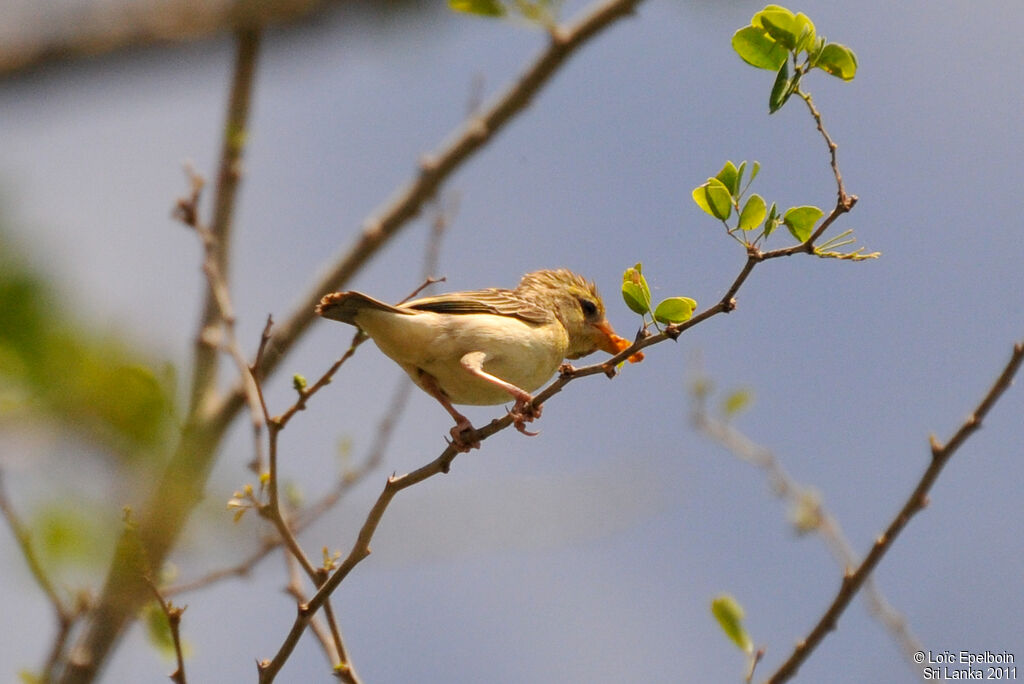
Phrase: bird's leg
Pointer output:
(462, 423)
(523, 411)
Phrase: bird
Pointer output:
(484, 347)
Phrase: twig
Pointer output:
(844, 199)
(204, 372)
(223, 323)
(65, 615)
(824, 523)
(173, 614)
(302, 519)
(918, 499)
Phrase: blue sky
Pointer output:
(591, 552)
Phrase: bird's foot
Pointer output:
(524, 412)
(462, 436)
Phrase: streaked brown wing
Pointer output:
(492, 301)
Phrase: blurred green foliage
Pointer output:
(61, 373)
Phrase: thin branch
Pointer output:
(305, 517)
(844, 199)
(329, 637)
(65, 615)
(173, 614)
(918, 499)
(821, 521)
(223, 323)
(204, 371)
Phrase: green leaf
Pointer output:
(753, 213)
(806, 35)
(754, 170)
(837, 60)
(801, 220)
(781, 89)
(635, 291)
(758, 49)
(772, 222)
(675, 310)
(714, 198)
(729, 614)
(483, 8)
(729, 177)
(780, 24)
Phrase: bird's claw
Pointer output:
(525, 412)
(463, 445)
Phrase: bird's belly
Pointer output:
(516, 352)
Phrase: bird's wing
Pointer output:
(491, 301)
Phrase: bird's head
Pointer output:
(577, 305)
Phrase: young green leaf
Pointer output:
(758, 49)
(781, 89)
(729, 177)
(483, 8)
(635, 291)
(780, 24)
(753, 213)
(675, 310)
(729, 614)
(801, 220)
(714, 198)
(806, 35)
(754, 171)
(837, 60)
(772, 222)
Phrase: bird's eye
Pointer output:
(588, 307)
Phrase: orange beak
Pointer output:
(610, 342)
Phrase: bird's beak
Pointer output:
(608, 341)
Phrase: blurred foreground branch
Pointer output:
(44, 32)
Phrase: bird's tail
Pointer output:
(345, 306)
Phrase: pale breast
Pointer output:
(520, 353)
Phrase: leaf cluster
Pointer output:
(776, 37)
(637, 295)
(725, 194)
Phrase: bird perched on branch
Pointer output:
(484, 346)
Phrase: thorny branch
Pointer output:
(173, 614)
(918, 499)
